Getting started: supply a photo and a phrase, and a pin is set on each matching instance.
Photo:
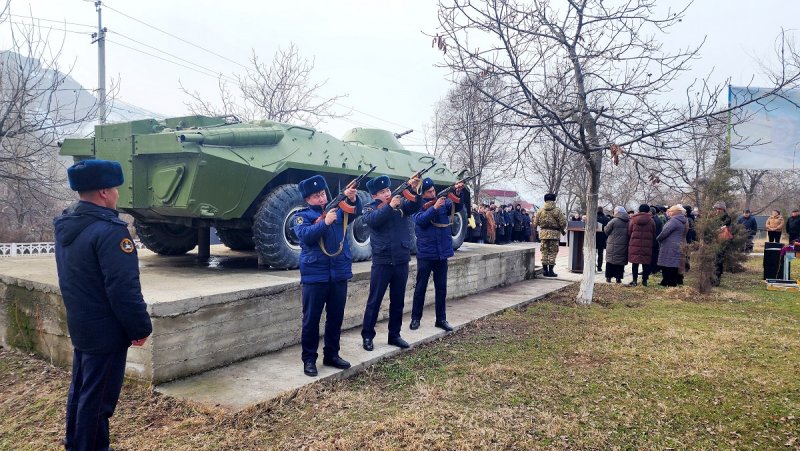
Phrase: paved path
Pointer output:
(247, 383)
(256, 380)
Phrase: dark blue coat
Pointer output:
(98, 272)
(516, 219)
(390, 231)
(435, 243)
(315, 266)
(751, 225)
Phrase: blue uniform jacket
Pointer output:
(435, 243)
(98, 272)
(315, 266)
(390, 231)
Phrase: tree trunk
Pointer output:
(593, 165)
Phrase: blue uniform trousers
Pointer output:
(424, 269)
(93, 394)
(381, 277)
(331, 296)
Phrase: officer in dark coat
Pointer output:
(390, 237)
(600, 236)
(500, 223)
(98, 273)
(516, 219)
(508, 216)
(526, 226)
(434, 247)
(325, 268)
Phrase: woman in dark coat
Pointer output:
(642, 232)
(617, 245)
(600, 237)
(672, 239)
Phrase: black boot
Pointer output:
(552, 273)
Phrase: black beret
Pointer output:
(90, 175)
(378, 183)
(427, 184)
(312, 185)
(549, 196)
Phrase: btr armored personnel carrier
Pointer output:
(184, 175)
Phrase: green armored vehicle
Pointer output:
(184, 175)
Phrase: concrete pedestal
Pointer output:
(207, 315)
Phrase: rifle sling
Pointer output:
(341, 244)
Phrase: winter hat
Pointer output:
(620, 210)
(427, 184)
(644, 208)
(378, 183)
(677, 208)
(311, 185)
(91, 175)
(549, 197)
(719, 204)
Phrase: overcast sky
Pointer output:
(374, 52)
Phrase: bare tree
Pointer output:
(282, 91)
(549, 164)
(612, 76)
(470, 134)
(36, 111)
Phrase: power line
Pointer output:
(219, 56)
(173, 56)
(176, 37)
(53, 20)
(162, 59)
(52, 28)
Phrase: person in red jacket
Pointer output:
(641, 236)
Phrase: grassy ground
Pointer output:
(646, 368)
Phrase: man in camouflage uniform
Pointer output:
(552, 224)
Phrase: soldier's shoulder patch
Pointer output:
(127, 245)
(298, 219)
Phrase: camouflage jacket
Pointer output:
(551, 221)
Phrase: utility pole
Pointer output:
(100, 39)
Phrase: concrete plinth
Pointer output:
(207, 315)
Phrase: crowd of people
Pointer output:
(492, 224)
(652, 239)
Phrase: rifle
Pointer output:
(334, 204)
(447, 191)
(451, 189)
(403, 186)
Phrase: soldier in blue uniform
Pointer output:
(98, 273)
(325, 268)
(434, 247)
(390, 237)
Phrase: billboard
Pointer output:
(764, 134)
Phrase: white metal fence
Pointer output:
(21, 249)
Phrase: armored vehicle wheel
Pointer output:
(358, 233)
(459, 229)
(166, 239)
(236, 239)
(273, 233)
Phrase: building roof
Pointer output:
(499, 193)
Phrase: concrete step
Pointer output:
(244, 384)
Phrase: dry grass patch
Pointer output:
(644, 367)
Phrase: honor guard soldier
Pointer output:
(388, 219)
(98, 273)
(325, 268)
(434, 247)
(553, 224)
